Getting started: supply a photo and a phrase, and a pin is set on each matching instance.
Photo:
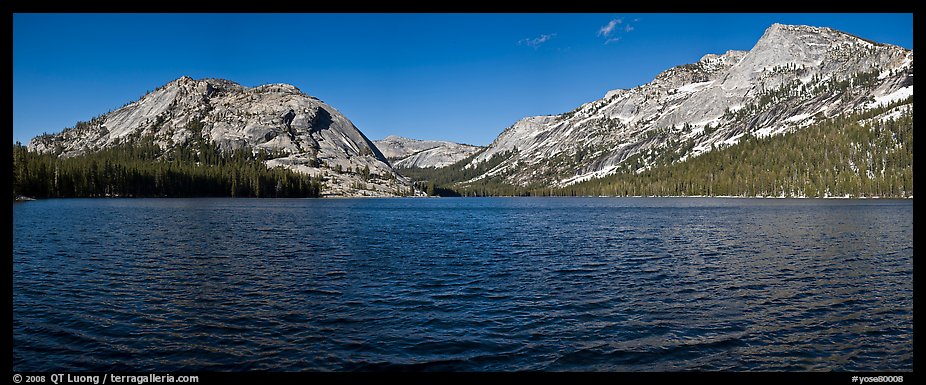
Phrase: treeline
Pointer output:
(835, 157)
(143, 169)
(458, 171)
(451, 181)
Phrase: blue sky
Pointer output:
(459, 77)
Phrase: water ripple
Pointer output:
(462, 284)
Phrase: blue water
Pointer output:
(474, 284)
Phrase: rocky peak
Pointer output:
(808, 45)
(797, 33)
(713, 62)
(282, 88)
(314, 139)
(407, 153)
(791, 77)
(183, 80)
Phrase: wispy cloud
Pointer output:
(608, 28)
(611, 32)
(537, 41)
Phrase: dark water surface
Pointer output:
(635, 284)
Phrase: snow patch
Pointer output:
(798, 117)
(579, 123)
(900, 94)
(694, 87)
(734, 139)
(884, 74)
(907, 60)
(894, 113)
(592, 175)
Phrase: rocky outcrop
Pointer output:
(412, 153)
(315, 139)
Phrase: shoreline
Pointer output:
(335, 197)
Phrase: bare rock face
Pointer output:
(314, 138)
(793, 76)
(414, 153)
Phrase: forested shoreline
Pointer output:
(143, 169)
(857, 155)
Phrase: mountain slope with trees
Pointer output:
(144, 169)
(793, 77)
(864, 154)
(305, 134)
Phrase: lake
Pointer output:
(463, 284)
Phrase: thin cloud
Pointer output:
(537, 41)
(608, 28)
(611, 32)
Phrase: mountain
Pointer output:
(301, 132)
(793, 76)
(414, 153)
